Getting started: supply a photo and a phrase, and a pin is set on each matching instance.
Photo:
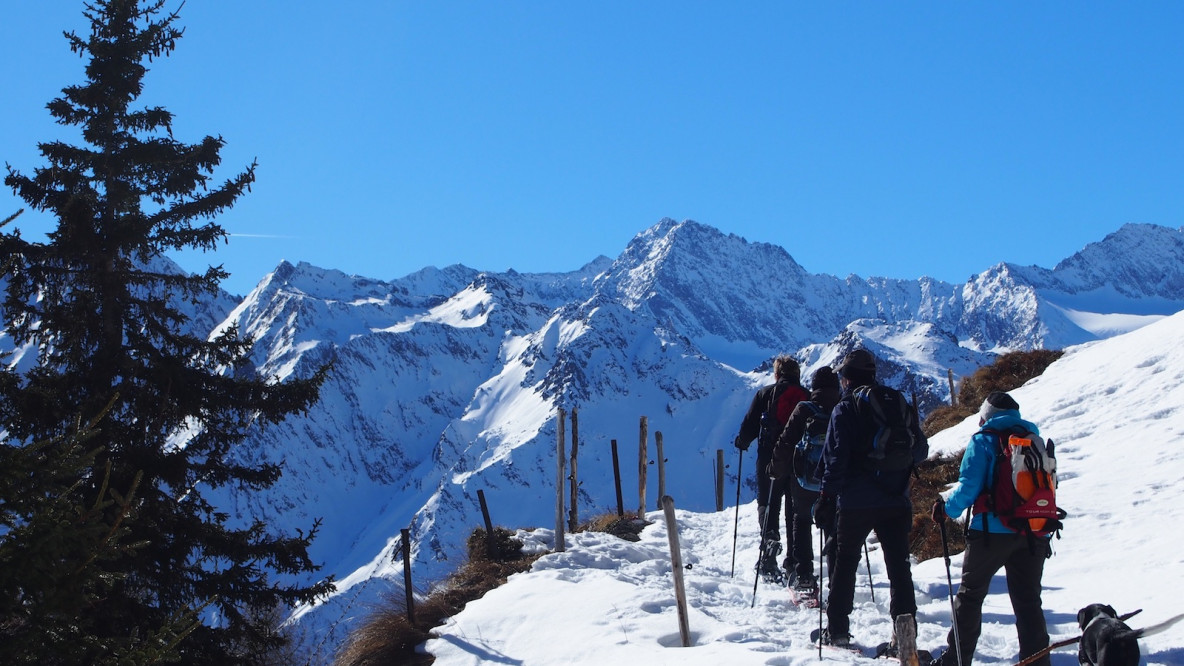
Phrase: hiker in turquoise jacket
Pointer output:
(995, 547)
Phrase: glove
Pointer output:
(938, 512)
(824, 512)
(741, 444)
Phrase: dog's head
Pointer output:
(1085, 615)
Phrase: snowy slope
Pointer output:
(1117, 412)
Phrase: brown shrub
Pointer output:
(933, 477)
(387, 637)
(944, 417)
(1009, 371)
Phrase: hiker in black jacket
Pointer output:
(766, 417)
(799, 561)
(856, 499)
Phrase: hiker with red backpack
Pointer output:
(996, 538)
(766, 417)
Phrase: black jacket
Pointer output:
(786, 395)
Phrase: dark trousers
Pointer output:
(797, 524)
(985, 555)
(891, 525)
(766, 505)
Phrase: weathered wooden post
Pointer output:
(489, 542)
(661, 466)
(719, 479)
(573, 521)
(617, 480)
(406, 534)
(680, 593)
(561, 463)
(953, 396)
(641, 467)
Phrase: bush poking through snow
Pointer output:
(386, 637)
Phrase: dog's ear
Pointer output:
(1109, 610)
(1081, 618)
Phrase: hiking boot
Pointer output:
(805, 583)
(838, 640)
(768, 568)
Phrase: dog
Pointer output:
(1108, 641)
(1105, 639)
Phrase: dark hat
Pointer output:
(824, 377)
(996, 402)
(859, 362)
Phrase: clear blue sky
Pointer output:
(877, 138)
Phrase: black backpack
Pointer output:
(808, 451)
(893, 422)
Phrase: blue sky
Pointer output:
(891, 139)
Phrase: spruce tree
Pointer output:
(168, 405)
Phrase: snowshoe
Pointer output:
(768, 568)
(834, 642)
(804, 592)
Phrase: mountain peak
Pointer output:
(1138, 260)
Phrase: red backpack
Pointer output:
(1022, 487)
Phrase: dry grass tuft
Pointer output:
(626, 527)
(387, 637)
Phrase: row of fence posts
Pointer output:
(571, 511)
(666, 503)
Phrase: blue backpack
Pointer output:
(808, 451)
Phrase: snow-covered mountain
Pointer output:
(448, 381)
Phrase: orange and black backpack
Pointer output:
(1022, 487)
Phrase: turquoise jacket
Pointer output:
(977, 465)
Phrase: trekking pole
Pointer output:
(821, 559)
(868, 558)
(736, 529)
(945, 547)
(761, 554)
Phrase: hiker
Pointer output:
(859, 496)
(990, 545)
(787, 466)
(766, 417)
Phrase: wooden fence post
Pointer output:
(617, 480)
(680, 594)
(489, 542)
(953, 396)
(641, 467)
(719, 479)
(573, 522)
(406, 534)
(561, 463)
(661, 466)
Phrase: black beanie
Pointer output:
(822, 378)
(996, 402)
